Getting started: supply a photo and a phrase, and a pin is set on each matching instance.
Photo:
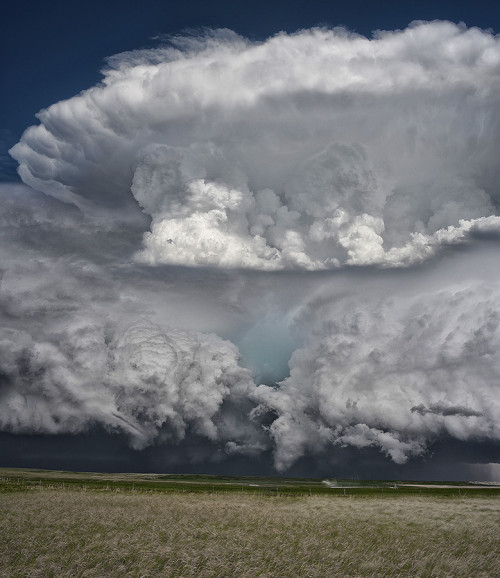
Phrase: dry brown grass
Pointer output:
(66, 533)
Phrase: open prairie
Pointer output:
(50, 527)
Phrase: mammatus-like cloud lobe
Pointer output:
(306, 151)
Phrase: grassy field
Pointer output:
(50, 527)
(17, 479)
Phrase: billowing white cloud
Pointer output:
(307, 151)
(394, 373)
(155, 385)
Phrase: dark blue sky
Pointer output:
(53, 50)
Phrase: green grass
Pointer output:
(14, 480)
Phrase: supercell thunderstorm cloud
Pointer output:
(246, 249)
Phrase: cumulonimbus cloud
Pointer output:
(307, 151)
(317, 150)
